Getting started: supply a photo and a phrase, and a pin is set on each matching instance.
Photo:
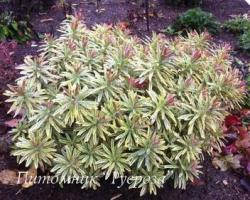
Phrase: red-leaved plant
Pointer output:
(236, 152)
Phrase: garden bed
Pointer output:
(212, 185)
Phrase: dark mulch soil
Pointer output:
(214, 185)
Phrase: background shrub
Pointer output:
(13, 28)
(244, 41)
(240, 25)
(194, 19)
(103, 102)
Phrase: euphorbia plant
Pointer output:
(109, 103)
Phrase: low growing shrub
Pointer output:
(194, 19)
(244, 41)
(101, 101)
(240, 25)
(14, 29)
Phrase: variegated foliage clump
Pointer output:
(102, 101)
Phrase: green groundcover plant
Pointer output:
(12, 28)
(194, 19)
(102, 101)
(244, 41)
(240, 25)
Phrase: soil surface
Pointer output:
(213, 185)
